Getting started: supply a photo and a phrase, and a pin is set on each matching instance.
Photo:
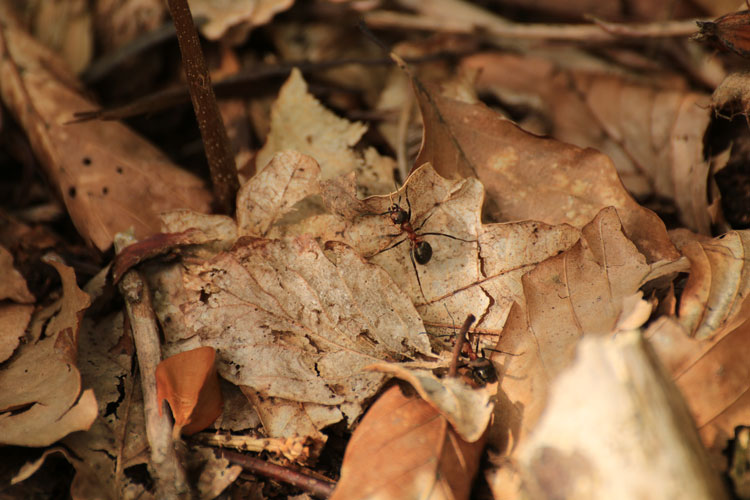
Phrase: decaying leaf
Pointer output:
(289, 321)
(189, 383)
(109, 178)
(715, 297)
(236, 16)
(403, 449)
(13, 285)
(581, 291)
(613, 414)
(299, 122)
(13, 321)
(41, 398)
(463, 139)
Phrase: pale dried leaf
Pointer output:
(289, 323)
(472, 140)
(40, 389)
(299, 122)
(12, 285)
(714, 300)
(109, 177)
(467, 409)
(288, 178)
(404, 449)
(236, 15)
(732, 96)
(579, 291)
(14, 318)
(216, 475)
(613, 414)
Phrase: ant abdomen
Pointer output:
(422, 252)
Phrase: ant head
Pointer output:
(398, 214)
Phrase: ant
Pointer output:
(480, 367)
(421, 251)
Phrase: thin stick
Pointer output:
(599, 31)
(453, 370)
(171, 481)
(215, 139)
(315, 486)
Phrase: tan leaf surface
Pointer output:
(472, 140)
(299, 122)
(188, 381)
(581, 291)
(291, 322)
(289, 177)
(467, 409)
(40, 389)
(236, 15)
(651, 126)
(108, 177)
(14, 318)
(714, 300)
(12, 285)
(481, 276)
(405, 449)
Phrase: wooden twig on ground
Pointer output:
(171, 481)
(215, 139)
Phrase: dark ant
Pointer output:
(480, 367)
(421, 251)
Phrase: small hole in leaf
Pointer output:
(86, 161)
(119, 170)
(72, 191)
(105, 190)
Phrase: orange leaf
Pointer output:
(188, 381)
(404, 448)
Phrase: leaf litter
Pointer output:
(322, 273)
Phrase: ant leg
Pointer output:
(416, 271)
(390, 247)
(447, 236)
(501, 352)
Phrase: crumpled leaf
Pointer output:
(467, 409)
(715, 297)
(292, 323)
(732, 96)
(40, 389)
(301, 123)
(108, 177)
(613, 414)
(188, 381)
(13, 285)
(14, 319)
(404, 449)
(239, 16)
(463, 139)
(581, 291)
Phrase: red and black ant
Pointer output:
(421, 251)
(480, 367)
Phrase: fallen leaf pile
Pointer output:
(584, 201)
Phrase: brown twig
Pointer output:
(315, 486)
(171, 481)
(215, 139)
(453, 370)
(599, 31)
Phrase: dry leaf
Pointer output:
(108, 177)
(732, 96)
(580, 291)
(288, 178)
(299, 122)
(467, 409)
(14, 318)
(404, 449)
(41, 399)
(236, 16)
(188, 381)
(472, 140)
(613, 414)
(13, 285)
(714, 300)
(291, 322)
